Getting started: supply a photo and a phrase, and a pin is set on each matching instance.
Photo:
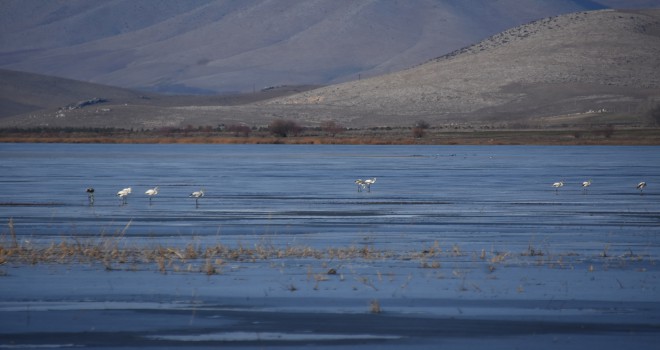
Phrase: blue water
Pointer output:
(478, 194)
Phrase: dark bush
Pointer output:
(418, 132)
(284, 128)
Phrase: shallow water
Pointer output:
(479, 194)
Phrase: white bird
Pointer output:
(557, 185)
(124, 193)
(640, 187)
(197, 195)
(151, 192)
(126, 190)
(586, 184)
(369, 182)
(360, 184)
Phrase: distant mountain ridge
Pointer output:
(579, 69)
(220, 46)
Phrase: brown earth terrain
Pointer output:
(583, 75)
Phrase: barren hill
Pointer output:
(25, 92)
(211, 46)
(34, 98)
(585, 68)
(600, 64)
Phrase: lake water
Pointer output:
(485, 195)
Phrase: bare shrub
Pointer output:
(418, 133)
(239, 129)
(332, 127)
(419, 129)
(284, 128)
(654, 113)
(422, 124)
(374, 307)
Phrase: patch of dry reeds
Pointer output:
(115, 253)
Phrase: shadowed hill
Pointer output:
(211, 46)
(580, 69)
(35, 98)
(25, 92)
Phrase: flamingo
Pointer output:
(558, 184)
(360, 184)
(369, 182)
(197, 195)
(640, 187)
(90, 195)
(124, 193)
(151, 192)
(585, 185)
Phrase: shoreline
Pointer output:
(377, 136)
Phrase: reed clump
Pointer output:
(116, 253)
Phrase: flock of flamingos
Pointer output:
(585, 185)
(123, 194)
(361, 185)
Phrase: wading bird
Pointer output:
(123, 194)
(197, 195)
(360, 184)
(640, 187)
(90, 195)
(369, 182)
(585, 185)
(151, 192)
(558, 184)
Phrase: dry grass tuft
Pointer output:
(114, 252)
(374, 307)
(456, 250)
(531, 251)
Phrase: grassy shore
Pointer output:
(373, 136)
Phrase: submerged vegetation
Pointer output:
(116, 252)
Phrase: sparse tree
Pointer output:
(419, 129)
(284, 128)
(332, 127)
(422, 124)
(239, 129)
(655, 114)
(418, 132)
(607, 131)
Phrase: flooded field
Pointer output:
(457, 245)
(486, 194)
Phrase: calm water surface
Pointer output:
(478, 194)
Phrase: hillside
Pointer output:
(551, 71)
(25, 92)
(30, 97)
(220, 46)
(580, 69)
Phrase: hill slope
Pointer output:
(28, 99)
(584, 68)
(601, 61)
(25, 92)
(210, 46)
